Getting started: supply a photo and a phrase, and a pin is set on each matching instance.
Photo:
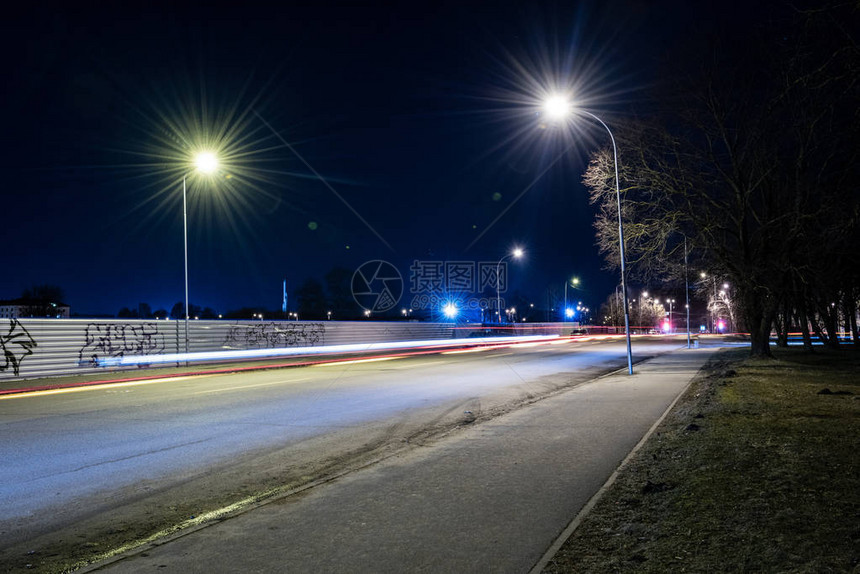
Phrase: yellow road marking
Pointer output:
(373, 360)
(478, 350)
(97, 387)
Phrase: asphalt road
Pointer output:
(104, 455)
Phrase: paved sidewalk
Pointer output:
(489, 498)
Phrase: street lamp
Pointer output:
(516, 254)
(713, 306)
(642, 300)
(207, 163)
(450, 310)
(575, 282)
(558, 107)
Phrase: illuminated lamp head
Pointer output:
(557, 107)
(206, 162)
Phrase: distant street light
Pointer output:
(575, 281)
(559, 107)
(205, 162)
(516, 254)
(450, 310)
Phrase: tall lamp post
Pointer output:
(516, 254)
(205, 162)
(558, 107)
(687, 291)
(713, 305)
(575, 282)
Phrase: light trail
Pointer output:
(409, 348)
(134, 360)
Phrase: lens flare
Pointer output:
(206, 162)
(450, 310)
(557, 107)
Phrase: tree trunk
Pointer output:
(760, 339)
(759, 321)
(782, 321)
(831, 325)
(816, 327)
(850, 307)
(804, 329)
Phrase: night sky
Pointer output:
(420, 117)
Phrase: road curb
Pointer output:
(595, 498)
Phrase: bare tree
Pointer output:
(756, 169)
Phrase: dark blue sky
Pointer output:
(420, 116)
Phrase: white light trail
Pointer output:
(133, 360)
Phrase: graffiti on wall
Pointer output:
(16, 344)
(118, 340)
(271, 335)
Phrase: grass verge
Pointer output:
(755, 470)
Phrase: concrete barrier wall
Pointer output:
(31, 348)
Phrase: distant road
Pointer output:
(121, 454)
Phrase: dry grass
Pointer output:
(754, 471)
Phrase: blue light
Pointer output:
(450, 310)
(569, 313)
